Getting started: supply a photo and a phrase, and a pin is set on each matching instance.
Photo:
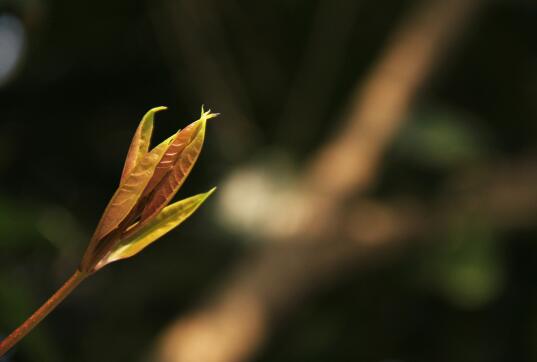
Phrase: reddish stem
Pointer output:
(7, 343)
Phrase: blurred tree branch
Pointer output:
(235, 322)
(279, 276)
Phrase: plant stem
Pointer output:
(7, 343)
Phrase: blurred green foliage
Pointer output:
(465, 265)
(442, 139)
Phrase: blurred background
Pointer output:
(376, 164)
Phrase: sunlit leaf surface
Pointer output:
(149, 182)
(182, 139)
(127, 195)
(170, 217)
(140, 142)
(170, 182)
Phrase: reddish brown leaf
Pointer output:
(182, 139)
(167, 219)
(126, 197)
(172, 180)
(150, 181)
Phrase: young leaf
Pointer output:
(140, 142)
(128, 193)
(172, 180)
(147, 188)
(170, 217)
(170, 157)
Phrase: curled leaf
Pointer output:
(134, 217)
(167, 162)
(129, 192)
(125, 197)
(140, 142)
(169, 182)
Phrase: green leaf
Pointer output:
(171, 175)
(140, 142)
(125, 198)
(170, 217)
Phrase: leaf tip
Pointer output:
(150, 115)
(205, 196)
(159, 108)
(206, 115)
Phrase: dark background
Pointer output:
(88, 70)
